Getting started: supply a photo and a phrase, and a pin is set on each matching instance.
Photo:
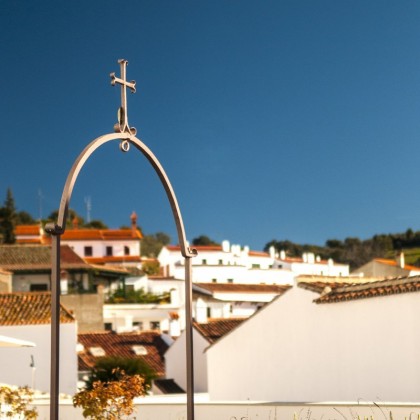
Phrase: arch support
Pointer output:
(57, 229)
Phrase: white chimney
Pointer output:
(201, 311)
(272, 252)
(305, 257)
(311, 258)
(174, 328)
(401, 260)
(225, 246)
(282, 254)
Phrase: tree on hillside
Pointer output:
(152, 244)
(8, 219)
(204, 240)
(24, 218)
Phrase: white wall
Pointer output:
(295, 350)
(99, 247)
(175, 362)
(15, 362)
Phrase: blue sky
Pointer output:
(293, 120)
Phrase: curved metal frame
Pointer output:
(58, 229)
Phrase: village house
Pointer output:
(27, 316)
(389, 268)
(96, 246)
(27, 268)
(148, 346)
(204, 334)
(324, 341)
(233, 264)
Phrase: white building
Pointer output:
(27, 316)
(342, 347)
(234, 264)
(96, 246)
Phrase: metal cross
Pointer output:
(122, 126)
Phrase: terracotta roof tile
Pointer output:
(113, 259)
(27, 230)
(217, 328)
(29, 308)
(100, 234)
(394, 263)
(345, 292)
(37, 257)
(121, 345)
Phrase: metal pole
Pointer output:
(189, 339)
(55, 325)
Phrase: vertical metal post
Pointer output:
(189, 339)
(55, 326)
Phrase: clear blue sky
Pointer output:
(293, 120)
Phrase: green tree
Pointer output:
(109, 368)
(24, 218)
(152, 244)
(8, 219)
(204, 240)
(95, 224)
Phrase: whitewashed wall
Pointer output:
(15, 362)
(295, 350)
(175, 362)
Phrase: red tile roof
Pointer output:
(121, 344)
(243, 288)
(37, 257)
(394, 263)
(28, 230)
(199, 248)
(340, 292)
(113, 259)
(100, 234)
(258, 254)
(216, 328)
(29, 308)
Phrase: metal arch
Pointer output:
(59, 228)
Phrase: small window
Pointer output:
(38, 287)
(154, 325)
(255, 266)
(126, 250)
(97, 351)
(204, 262)
(109, 251)
(214, 280)
(88, 251)
(230, 280)
(138, 325)
(208, 312)
(220, 262)
(139, 350)
(108, 326)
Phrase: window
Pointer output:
(38, 287)
(109, 251)
(204, 262)
(126, 250)
(214, 280)
(97, 351)
(139, 350)
(208, 312)
(255, 266)
(220, 262)
(154, 325)
(138, 325)
(108, 326)
(230, 280)
(88, 251)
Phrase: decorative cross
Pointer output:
(122, 126)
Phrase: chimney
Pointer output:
(272, 252)
(401, 260)
(225, 246)
(75, 222)
(282, 254)
(174, 326)
(133, 218)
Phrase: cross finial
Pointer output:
(122, 126)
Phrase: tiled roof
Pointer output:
(29, 308)
(394, 263)
(217, 328)
(113, 259)
(243, 288)
(100, 234)
(121, 345)
(345, 292)
(258, 254)
(37, 257)
(168, 386)
(203, 248)
(27, 230)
